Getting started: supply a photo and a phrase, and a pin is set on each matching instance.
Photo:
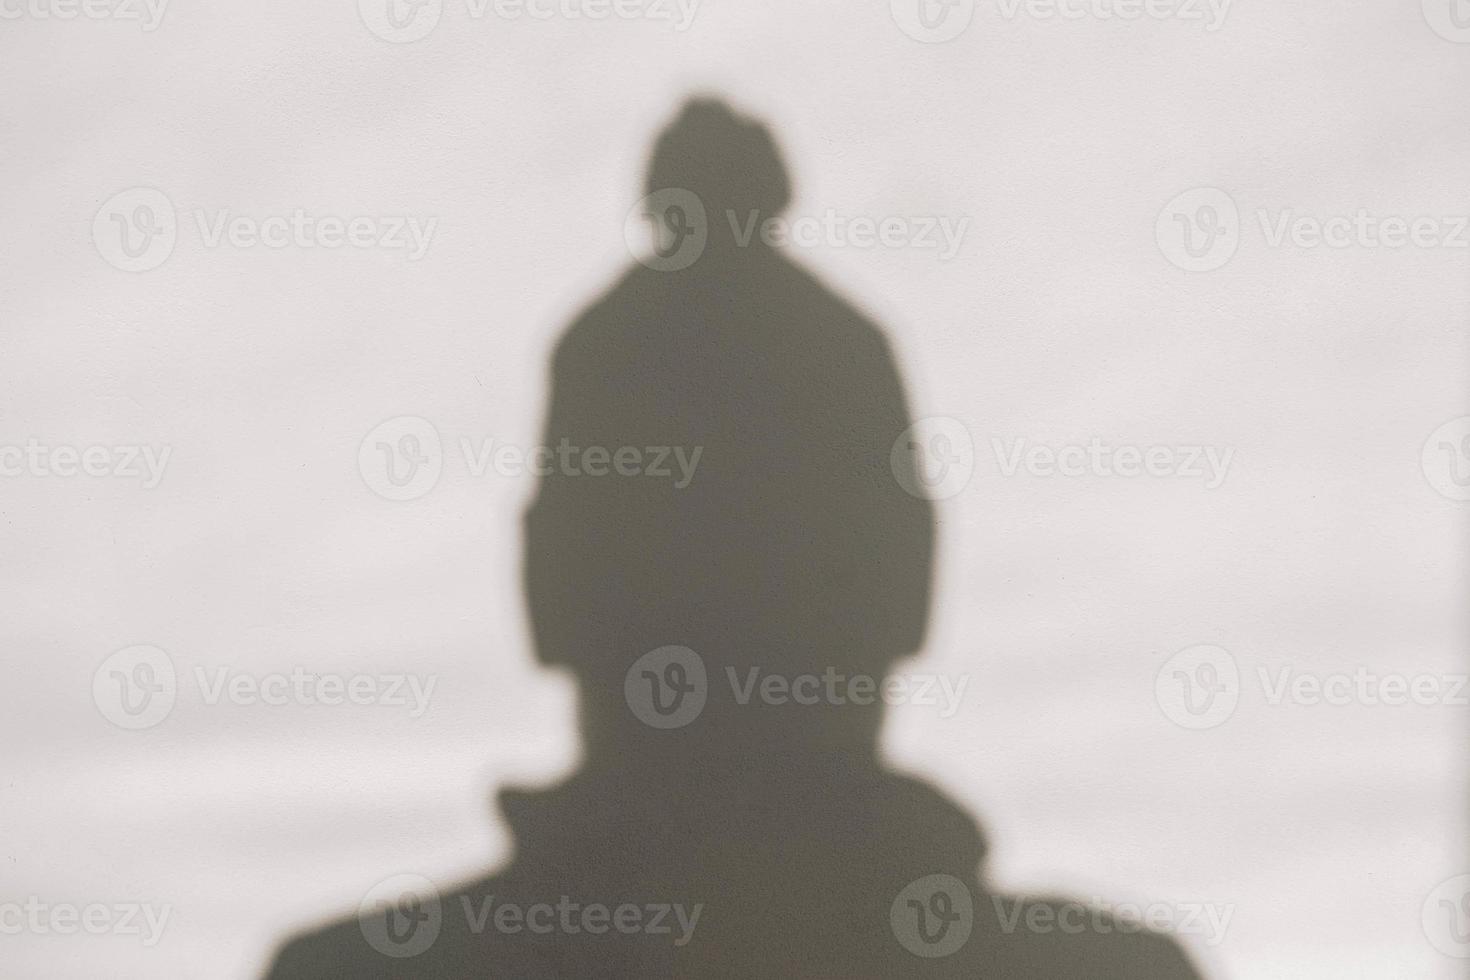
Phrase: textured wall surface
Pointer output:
(1327, 541)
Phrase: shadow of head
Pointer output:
(728, 161)
(723, 469)
(727, 481)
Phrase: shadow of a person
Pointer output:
(723, 555)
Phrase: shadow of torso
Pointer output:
(791, 550)
(799, 882)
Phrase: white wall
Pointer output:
(1323, 370)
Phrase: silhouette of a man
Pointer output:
(723, 556)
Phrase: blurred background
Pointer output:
(1334, 543)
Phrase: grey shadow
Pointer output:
(792, 548)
